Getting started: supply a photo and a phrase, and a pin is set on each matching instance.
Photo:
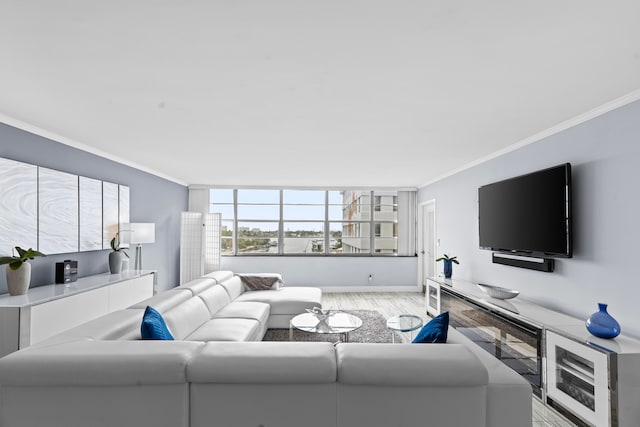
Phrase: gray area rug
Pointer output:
(373, 329)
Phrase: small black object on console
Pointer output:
(66, 271)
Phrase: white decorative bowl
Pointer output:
(498, 292)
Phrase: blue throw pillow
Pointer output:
(153, 326)
(435, 331)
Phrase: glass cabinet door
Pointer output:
(516, 345)
(432, 298)
(577, 378)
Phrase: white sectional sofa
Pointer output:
(218, 373)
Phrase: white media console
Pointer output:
(47, 310)
(594, 381)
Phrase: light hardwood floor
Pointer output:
(392, 303)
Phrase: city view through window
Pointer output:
(312, 222)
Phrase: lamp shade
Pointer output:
(142, 232)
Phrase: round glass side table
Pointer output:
(404, 323)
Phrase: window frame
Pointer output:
(327, 222)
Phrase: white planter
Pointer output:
(18, 280)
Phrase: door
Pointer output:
(427, 242)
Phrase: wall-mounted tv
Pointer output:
(529, 215)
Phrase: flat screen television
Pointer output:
(528, 215)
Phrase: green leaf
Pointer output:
(15, 265)
(113, 244)
(21, 252)
(7, 260)
(36, 253)
(446, 257)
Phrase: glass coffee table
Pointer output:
(404, 323)
(339, 323)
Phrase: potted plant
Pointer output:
(19, 270)
(115, 256)
(448, 264)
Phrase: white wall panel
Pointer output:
(18, 206)
(57, 211)
(123, 209)
(90, 193)
(110, 200)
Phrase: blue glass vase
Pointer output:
(448, 268)
(601, 324)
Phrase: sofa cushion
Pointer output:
(153, 326)
(245, 310)
(165, 300)
(186, 317)
(233, 286)
(215, 298)
(227, 330)
(219, 276)
(264, 362)
(289, 300)
(435, 331)
(198, 285)
(376, 364)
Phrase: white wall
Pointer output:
(605, 155)
(329, 272)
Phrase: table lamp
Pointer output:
(141, 233)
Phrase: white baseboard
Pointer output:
(330, 289)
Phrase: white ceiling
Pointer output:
(310, 93)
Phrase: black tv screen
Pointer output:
(528, 215)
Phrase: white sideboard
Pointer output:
(47, 310)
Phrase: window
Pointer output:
(303, 213)
(309, 222)
(258, 222)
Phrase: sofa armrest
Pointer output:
(446, 365)
(88, 363)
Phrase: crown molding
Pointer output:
(299, 187)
